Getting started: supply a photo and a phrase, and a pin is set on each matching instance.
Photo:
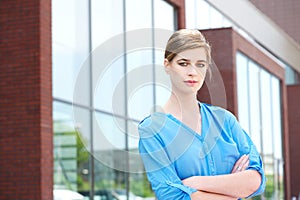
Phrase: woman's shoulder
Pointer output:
(153, 122)
(217, 110)
(152, 118)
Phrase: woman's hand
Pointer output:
(191, 182)
(241, 164)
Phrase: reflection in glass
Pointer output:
(71, 155)
(139, 185)
(108, 133)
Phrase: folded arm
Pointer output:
(240, 183)
(237, 185)
(200, 195)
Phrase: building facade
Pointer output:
(78, 76)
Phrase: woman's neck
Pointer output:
(182, 105)
(186, 109)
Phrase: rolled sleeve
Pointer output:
(246, 146)
(160, 170)
(256, 164)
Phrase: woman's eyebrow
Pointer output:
(201, 60)
(183, 59)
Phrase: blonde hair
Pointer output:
(185, 39)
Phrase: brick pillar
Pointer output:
(293, 93)
(26, 144)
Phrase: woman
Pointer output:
(194, 150)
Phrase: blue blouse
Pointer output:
(171, 151)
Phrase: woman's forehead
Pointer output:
(193, 54)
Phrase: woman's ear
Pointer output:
(167, 66)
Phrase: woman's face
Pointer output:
(187, 70)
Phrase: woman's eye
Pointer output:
(200, 65)
(183, 64)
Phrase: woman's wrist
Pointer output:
(193, 182)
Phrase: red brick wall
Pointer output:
(284, 13)
(293, 93)
(26, 162)
(225, 43)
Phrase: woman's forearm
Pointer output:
(200, 195)
(240, 184)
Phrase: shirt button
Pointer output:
(205, 148)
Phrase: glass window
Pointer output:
(261, 96)
(276, 111)
(254, 105)
(139, 59)
(164, 15)
(139, 185)
(216, 18)
(140, 82)
(109, 132)
(277, 132)
(200, 14)
(166, 19)
(109, 147)
(106, 21)
(71, 148)
(70, 35)
(291, 76)
(138, 14)
(144, 78)
(101, 97)
(108, 54)
(267, 131)
(110, 86)
(266, 112)
(197, 14)
(162, 81)
(242, 91)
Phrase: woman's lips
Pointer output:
(191, 82)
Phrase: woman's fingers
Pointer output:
(241, 164)
(246, 164)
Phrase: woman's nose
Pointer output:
(191, 70)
